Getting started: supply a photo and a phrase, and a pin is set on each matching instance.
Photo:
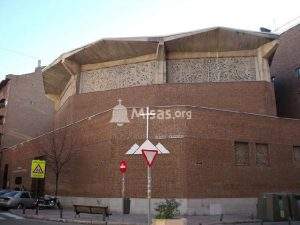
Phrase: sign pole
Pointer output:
(149, 156)
(123, 195)
(149, 166)
(123, 185)
(149, 194)
(123, 168)
(148, 171)
(37, 197)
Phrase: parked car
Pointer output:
(16, 199)
(4, 191)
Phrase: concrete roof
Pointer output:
(216, 39)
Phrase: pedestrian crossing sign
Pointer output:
(38, 168)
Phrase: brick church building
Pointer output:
(228, 147)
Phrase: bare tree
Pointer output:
(59, 152)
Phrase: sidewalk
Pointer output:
(131, 219)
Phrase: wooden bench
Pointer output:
(91, 210)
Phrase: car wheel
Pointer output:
(20, 206)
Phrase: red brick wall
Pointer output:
(254, 97)
(202, 159)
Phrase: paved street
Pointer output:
(7, 219)
(15, 217)
(5, 216)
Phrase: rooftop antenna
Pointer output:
(274, 23)
(39, 66)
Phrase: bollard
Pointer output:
(23, 209)
(61, 213)
(221, 217)
(60, 207)
(37, 207)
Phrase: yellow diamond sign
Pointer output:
(38, 168)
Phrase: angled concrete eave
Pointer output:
(215, 39)
(56, 75)
(55, 79)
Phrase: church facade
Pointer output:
(216, 114)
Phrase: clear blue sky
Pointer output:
(32, 29)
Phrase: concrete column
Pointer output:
(74, 70)
(161, 76)
(78, 77)
(263, 54)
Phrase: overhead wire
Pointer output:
(287, 23)
(19, 53)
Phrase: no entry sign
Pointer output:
(123, 166)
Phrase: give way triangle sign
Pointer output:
(149, 156)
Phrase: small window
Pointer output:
(241, 153)
(1, 120)
(1, 137)
(2, 103)
(297, 72)
(262, 154)
(296, 150)
(18, 180)
(273, 78)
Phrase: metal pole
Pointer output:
(149, 194)
(148, 168)
(37, 197)
(123, 185)
(123, 191)
(148, 172)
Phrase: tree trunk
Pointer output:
(56, 183)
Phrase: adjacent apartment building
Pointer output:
(25, 113)
(285, 71)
